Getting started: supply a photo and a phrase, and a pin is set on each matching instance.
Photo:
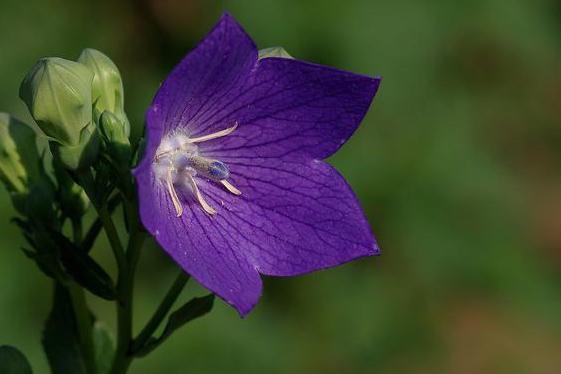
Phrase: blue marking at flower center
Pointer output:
(218, 170)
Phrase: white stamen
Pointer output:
(171, 190)
(177, 162)
(207, 208)
(230, 187)
(215, 135)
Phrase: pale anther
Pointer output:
(174, 199)
(230, 187)
(207, 208)
(215, 135)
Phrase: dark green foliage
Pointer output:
(83, 269)
(60, 336)
(104, 346)
(194, 308)
(12, 361)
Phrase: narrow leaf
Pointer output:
(104, 345)
(12, 361)
(194, 308)
(83, 269)
(45, 258)
(60, 336)
(97, 225)
(25, 226)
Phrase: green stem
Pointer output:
(113, 237)
(84, 323)
(125, 288)
(126, 264)
(87, 182)
(162, 310)
(97, 225)
(77, 231)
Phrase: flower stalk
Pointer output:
(161, 312)
(125, 292)
(82, 313)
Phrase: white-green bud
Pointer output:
(22, 171)
(81, 155)
(113, 129)
(107, 88)
(58, 94)
(274, 52)
(116, 138)
(19, 159)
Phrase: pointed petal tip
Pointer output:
(243, 308)
(226, 15)
(243, 312)
(228, 18)
(376, 251)
(375, 84)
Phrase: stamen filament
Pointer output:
(215, 135)
(160, 155)
(174, 199)
(207, 208)
(230, 187)
(178, 153)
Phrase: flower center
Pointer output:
(177, 163)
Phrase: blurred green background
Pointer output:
(457, 166)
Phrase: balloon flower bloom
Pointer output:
(233, 184)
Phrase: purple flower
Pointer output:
(232, 184)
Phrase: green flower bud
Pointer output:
(108, 93)
(115, 134)
(58, 94)
(81, 155)
(22, 170)
(18, 154)
(274, 52)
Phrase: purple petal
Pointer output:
(283, 107)
(198, 245)
(293, 217)
(290, 108)
(206, 77)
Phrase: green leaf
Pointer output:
(60, 336)
(43, 261)
(25, 226)
(12, 361)
(104, 345)
(194, 308)
(44, 253)
(83, 269)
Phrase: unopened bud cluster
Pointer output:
(78, 110)
(22, 171)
